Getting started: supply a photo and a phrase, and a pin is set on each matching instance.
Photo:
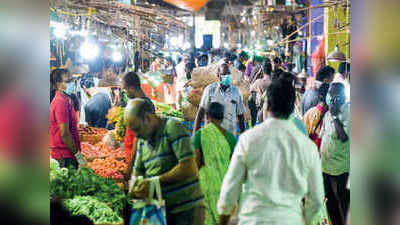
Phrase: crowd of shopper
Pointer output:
(294, 155)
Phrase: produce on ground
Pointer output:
(98, 212)
(116, 115)
(85, 182)
(108, 167)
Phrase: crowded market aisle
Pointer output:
(232, 135)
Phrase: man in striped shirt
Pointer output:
(164, 152)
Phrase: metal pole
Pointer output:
(193, 36)
(308, 34)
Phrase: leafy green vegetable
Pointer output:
(98, 212)
(167, 110)
(85, 182)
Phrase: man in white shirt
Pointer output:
(225, 93)
(273, 168)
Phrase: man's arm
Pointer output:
(315, 194)
(232, 184)
(240, 110)
(132, 159)
(199, 119)
(185, 169)
(67, 138)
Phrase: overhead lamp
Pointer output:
(270, 42)
(303, 74)
(60, 31)
(116, 57)
(337, 55)
(89, 50)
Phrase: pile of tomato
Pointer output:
(109, 167)
(100, 150)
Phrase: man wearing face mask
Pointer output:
(335, 152)
(229, 96)
(64, 135)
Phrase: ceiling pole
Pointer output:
(193, 35)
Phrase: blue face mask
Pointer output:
(226, 80)
(203, 63)
(71, 89)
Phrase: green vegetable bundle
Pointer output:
(55, 170)
(85, 182)
(98, 212)
(167, 110)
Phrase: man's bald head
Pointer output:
(138, 108)
(138, 115)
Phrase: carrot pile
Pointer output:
(108, 167)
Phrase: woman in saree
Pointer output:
(314, 116)
(213, 147)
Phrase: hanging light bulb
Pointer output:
(336, 55)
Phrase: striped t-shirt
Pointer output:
(172, 145)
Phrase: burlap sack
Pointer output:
(203, 76)
(194, 96)
(189, 111)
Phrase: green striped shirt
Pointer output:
(172, 145)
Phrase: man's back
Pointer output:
(282, 167)
(96, 110)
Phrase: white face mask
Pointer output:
(226, 80)
(71, 88)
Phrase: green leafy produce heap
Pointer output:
(86, 187)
